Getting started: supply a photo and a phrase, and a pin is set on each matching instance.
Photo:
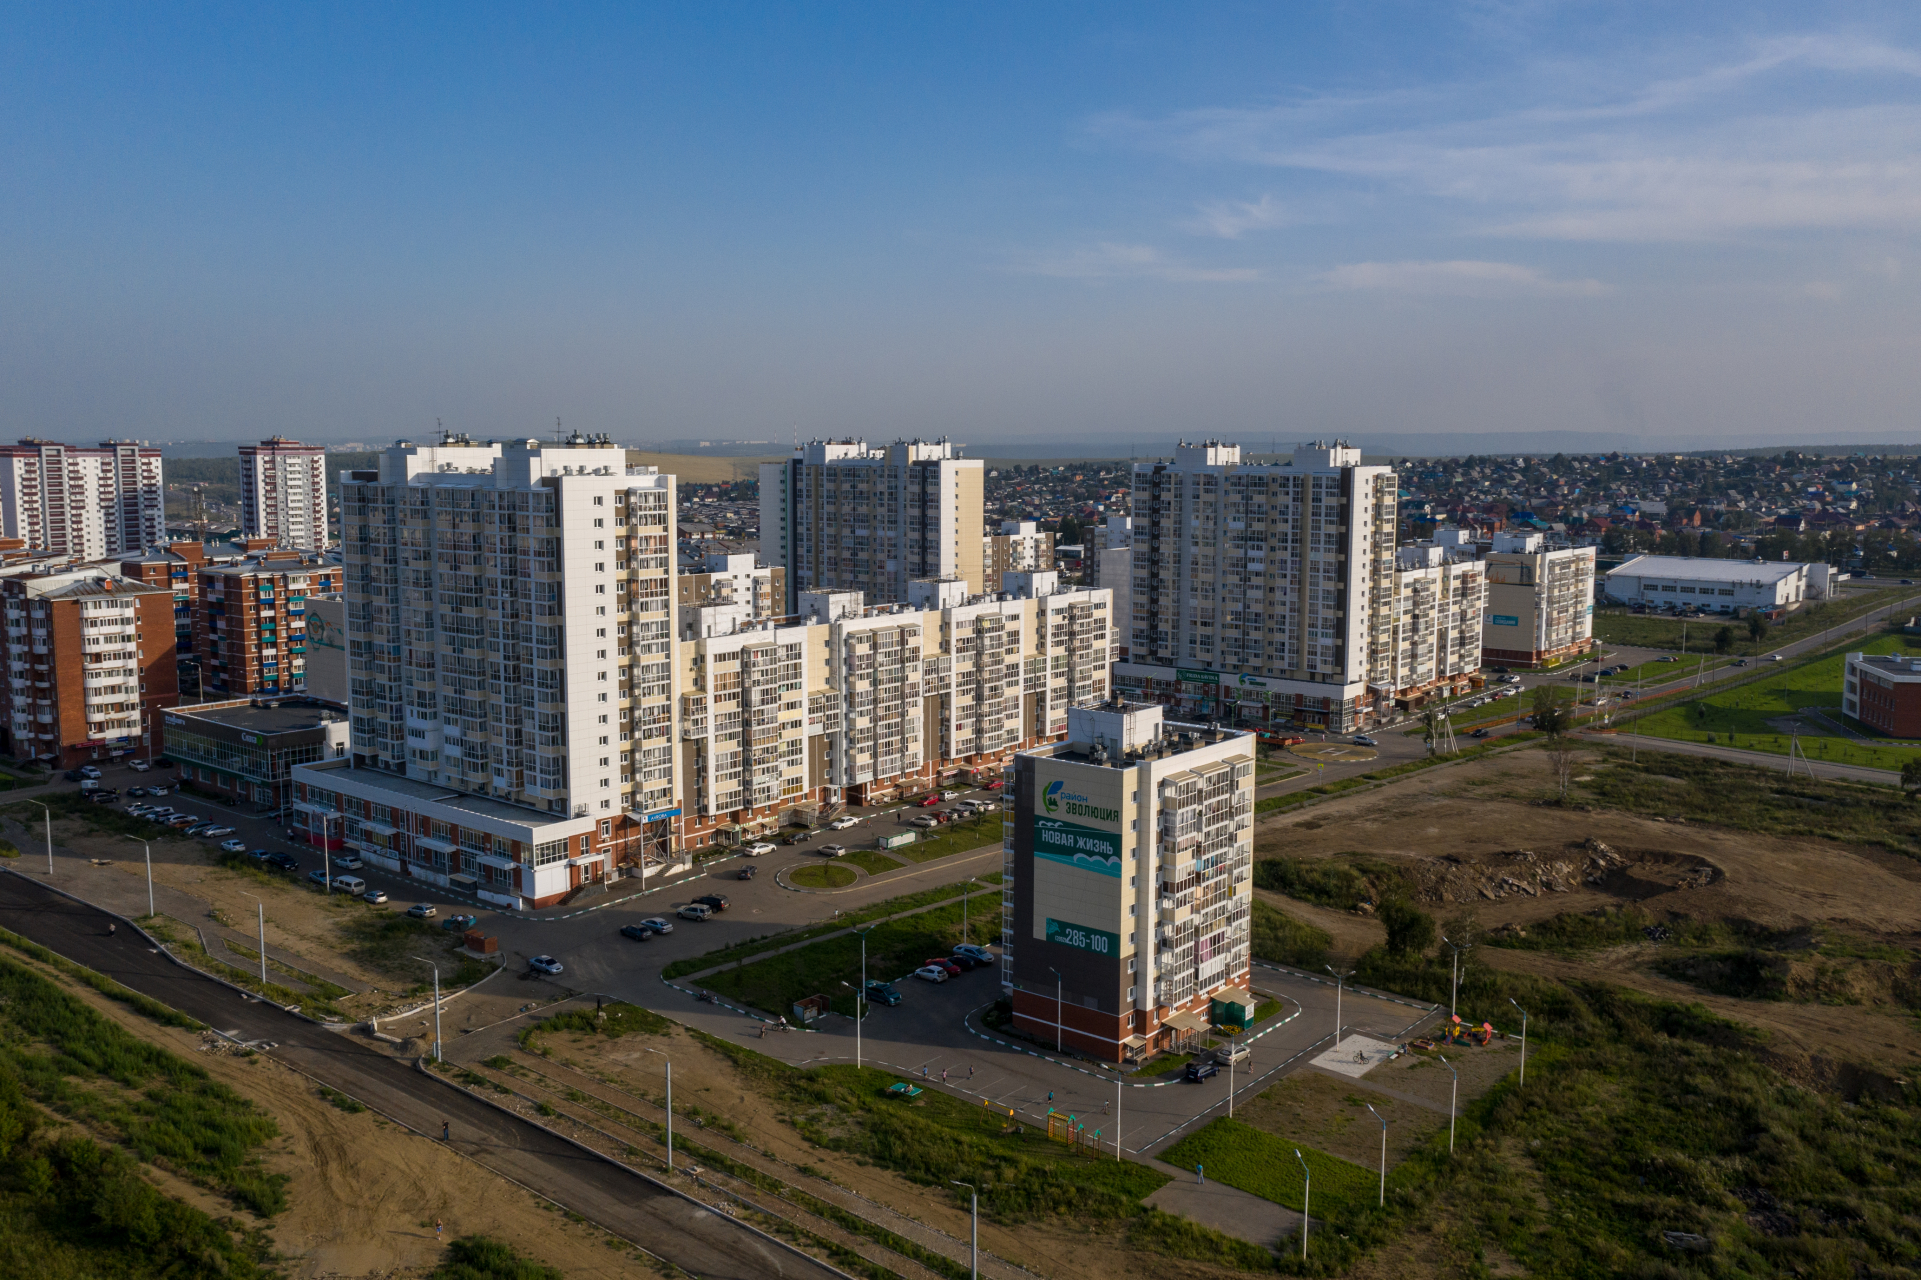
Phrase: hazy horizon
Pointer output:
(1094, 229)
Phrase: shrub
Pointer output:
(482, 1258)
(1410, 930)
(1281, 939)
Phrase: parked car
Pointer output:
(758, 849)
(139, 766)
(695, 911)
(215, 832)
(950, 795)
(182, 820)
(423, 911)
(746, 873)
(103, 797)
(1202, 1069)
(136, 791)
(967, 963)
(284, 861)
(1481, 733)
(659, 924)
(318, 876)
(1231, 1052)
(198, 828)
(881, 993)
(842, 823)
(980, 954)
(953, 968)
(347, 862)
(638, 932)
(89, 771)
(233, 846)
(718, 901)
(261, 855)
(799, 837)
(832, 850)
(353, 886)
(547, 965)
(375, 896)
(1500, 671)
(158, 791)
(932, 973)
(924, 820)
(932, 797)
(460, 923)
(1362, 740)
(73, 775)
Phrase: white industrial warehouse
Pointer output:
(1720, 585)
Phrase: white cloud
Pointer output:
(1109, 261)
(1721, 152)
(1233, 219)
(1459, 278)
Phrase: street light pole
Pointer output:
(43, 805)
(1383, 1120)
(1057, 1007)
(1340, 980)
(1307, 1198)
(974, 1250)
(1523, 1013)
(149, 849)
(436, 968)
(1452, 1098)
(1454, 993)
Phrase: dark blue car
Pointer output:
(880, 993)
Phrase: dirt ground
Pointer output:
(1471, 826)
(364, 1193)
(1330, 1114)
(1057, 1248)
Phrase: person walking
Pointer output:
(445, 1131)
(1050, 1095)
(943, 1075)
(1200, 1175)
(438, 1226)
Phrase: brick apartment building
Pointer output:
(251, 626)
(90, 666)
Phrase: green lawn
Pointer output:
(941, 842)
(872, 861)
(1739, 717)
(1652, 631)
(895, 949)
(1264, 1165)
(1659, 672)
(822, 875)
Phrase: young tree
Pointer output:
(1552, 716)
(1757, 629)
(1724, 639)
(1410, 930)
(1911, 777)
(1563, 756)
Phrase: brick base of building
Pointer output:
(1533, 658)
(1103, 1035)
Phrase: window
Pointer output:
(545, 855)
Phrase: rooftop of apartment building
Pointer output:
(1899, 667)
(268, 562)
(404, 789)
(265, 718)
(86, 582)
(1118, 733)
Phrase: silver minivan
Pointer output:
(350, 884)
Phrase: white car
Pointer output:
(833, 850)
(925, 820)
(695, 911)
(759, 848)
(89, 771)
(659, 924)
(950, 795)
(1774, 657)
(931, 973)
(213, 833)
(233, 846)
(140, 766)
(841, 824)
(374, 896)
(547, 965)
(422, 911)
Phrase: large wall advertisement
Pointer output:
(1079, 856)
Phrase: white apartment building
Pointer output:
(86, 502)
(840, 516)
(1431, 640)
(1111, 556)
(1021, 546)
(1265, 592)
(509, 619)
(727, 592)
(1127, 890)
(863, 704)
(1540, 601)
(283, 492)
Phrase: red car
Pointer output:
(932, 797)
(995, 785)
(942, 962)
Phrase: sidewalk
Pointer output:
(1224, 1208)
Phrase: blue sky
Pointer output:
(1018, 223)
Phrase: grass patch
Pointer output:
(823, 875)
(187, 944)
(741, 951)
(894, 948)
(1654, 631)
(341, 1101)
(389, 941)
(1264, 1165)
(144, 1005)
(319, 986)
(614, 1020)
(1281, 939)
(1342, 882)
(872, 861)
(166, 1110)
(956, 837)
(483, 1258)
(1572, 933)
(1178, 1237)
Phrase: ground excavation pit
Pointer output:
(1475, 839)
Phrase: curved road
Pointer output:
(636, 1208)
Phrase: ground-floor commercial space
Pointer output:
(505, 855)
(1135, 1034)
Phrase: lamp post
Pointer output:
(43, 805)
(1307, 1196)
(1057, 1007)
(1454, 992)
(1453, 1097)
(974, 1249)
(149, 849)
(1523, 1013)
(1117, 1119)
(965, 936)
(1383, 1120)
(436, 968)
(1340, 980)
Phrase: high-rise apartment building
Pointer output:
(726, 592)
(283, 492)
(251, 628)
(87, 502)
(1110, 561)
(176, 567)
(90, 665)
(1021, 546)
(509, 619)
(1540, 601)
(865, 704)
(840, 516)
(1127, 886)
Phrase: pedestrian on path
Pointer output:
(438, 1226)
(943, 1075)
(1050, 1095)
(970, 1073)
(445, 1134)
(1200, 1175)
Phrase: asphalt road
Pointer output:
(637, 1208)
